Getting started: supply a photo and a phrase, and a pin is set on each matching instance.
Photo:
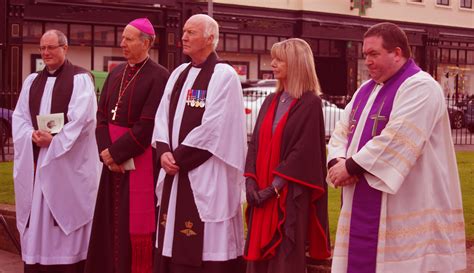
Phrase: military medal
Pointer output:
(193, 98)
(203, 99)
(188, 97)
(198, 98)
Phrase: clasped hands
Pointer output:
(339, 175)
(255, 196)
(110, 163)
(41, 138)
(169, 164)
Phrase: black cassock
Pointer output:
(110, 245)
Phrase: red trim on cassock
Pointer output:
(145, 117)
(318, 242)
(135, 139)
(304, 183)
(251, 175)
(266, 230)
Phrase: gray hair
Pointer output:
(211, 27)
(144, 36)
(62, 39)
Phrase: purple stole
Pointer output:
(367, 201)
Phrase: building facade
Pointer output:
(441, 33)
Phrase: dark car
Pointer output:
(469, 116)
(5, 125)
(456, 116)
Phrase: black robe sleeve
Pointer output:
(102, 130)
(135, 141)
(161, 148)
(188, 158)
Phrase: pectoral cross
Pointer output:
(114, 112)
(377, 117)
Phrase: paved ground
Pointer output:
(11, 263)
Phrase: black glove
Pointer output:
(265, 194)
(251, 189)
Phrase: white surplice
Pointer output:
(217, 183)
(66, 180)
(413, 163)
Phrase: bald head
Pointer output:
(62, 39)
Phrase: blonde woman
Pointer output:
(285, 169)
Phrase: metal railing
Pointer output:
(6, 145)
(253, 99)
(460, 109)
(461, 116)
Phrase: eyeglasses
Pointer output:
(49, 48)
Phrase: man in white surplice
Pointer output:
(409, 166)
(55, 175)
(202, 160)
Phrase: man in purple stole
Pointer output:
(393, 156)
(200, 139)
(124, 220)
(56, 169)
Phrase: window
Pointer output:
(442, 2)
(104, 35)
(470, 57)
(453, 56)
(220, 45)
(231, 42)
(245, 42)
(415, 1)
(461, 56)
(80, 34)
(259, 43)
(32, 31)
(467, 4)
(444, 55)
(59, 26)
(119, 35)
(270, 41)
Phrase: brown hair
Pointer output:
(301, 72)
(392, 35)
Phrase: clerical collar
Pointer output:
(138, 64)
(55, 73)
(209, 58)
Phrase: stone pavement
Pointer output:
(10, 263)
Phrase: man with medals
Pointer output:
(393, 155)
(56, 175)
(200, 139)
(124, 220)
